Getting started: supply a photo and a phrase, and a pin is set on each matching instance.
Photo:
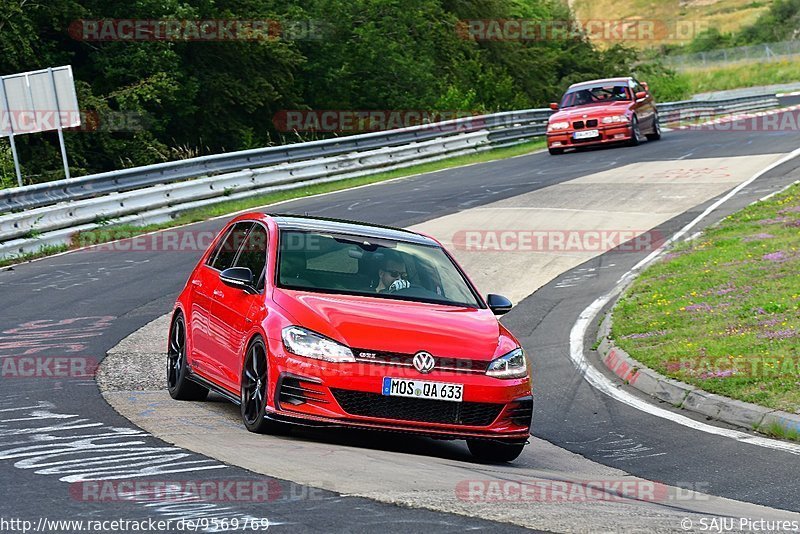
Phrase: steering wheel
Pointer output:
(417, 291)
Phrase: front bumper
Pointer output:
(613, 133)
(309, 391)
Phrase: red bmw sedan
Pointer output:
(327, 322)
(614, 110)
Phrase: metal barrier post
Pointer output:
(11, 133)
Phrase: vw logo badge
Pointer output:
(424, 362)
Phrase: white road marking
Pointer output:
(605, 385)
(693, 236)
(102, 453)
(534, 208)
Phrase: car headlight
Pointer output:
(614, 118)
(557, 126)
(512, 365)
(311, 345)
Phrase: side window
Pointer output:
(254, 254)
(228, 247)
(637, 87)
(213, 255)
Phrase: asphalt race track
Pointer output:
(57, 432)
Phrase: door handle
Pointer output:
(218, 293)
(197, 283)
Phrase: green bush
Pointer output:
(8, 177)
(665, 84)
(779, 23)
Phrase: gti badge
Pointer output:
(423, 362)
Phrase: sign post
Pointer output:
(60, 130)
(7, 115)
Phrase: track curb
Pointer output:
(688, 397)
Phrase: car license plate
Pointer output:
(586, 134)
(422, 389)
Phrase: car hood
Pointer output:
(389, 325)
(591, 111)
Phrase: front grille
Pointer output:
(458, 365)
(580, 125)
(420, 410)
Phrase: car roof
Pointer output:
(339, 226)
(625, 79)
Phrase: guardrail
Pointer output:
(50, 213)
(163, 173)
(693, 110)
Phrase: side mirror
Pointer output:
(641, 95)
(238, 277)
(498, 304)
(554, 106)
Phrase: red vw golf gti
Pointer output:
(603, 111)
(325, 322)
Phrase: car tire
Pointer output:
(253, 390)
(178, 383)
(555, 151)
(636, 132)
(656, 135)
(494, 451)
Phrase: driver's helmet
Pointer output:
(582, 97)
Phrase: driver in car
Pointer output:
(392, 273)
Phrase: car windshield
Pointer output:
(582, 96)
(382, 268)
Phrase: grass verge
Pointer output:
(777, 431)
(722, 312)
(111, 232)
(673, 22)
(701, 80)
